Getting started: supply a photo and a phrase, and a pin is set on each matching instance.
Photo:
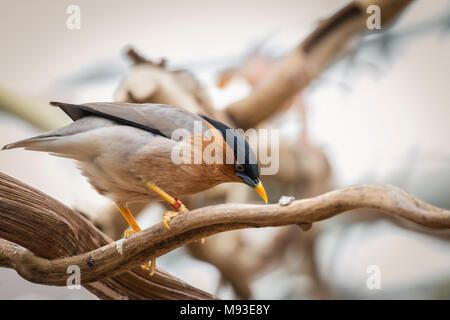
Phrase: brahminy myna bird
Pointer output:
(127, 153)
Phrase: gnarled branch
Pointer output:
(50, 230)
(113, 259)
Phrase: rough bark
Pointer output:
(53, 237)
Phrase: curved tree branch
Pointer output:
(115, 258)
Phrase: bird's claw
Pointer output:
(151, 265)
(171, 214)
(168, 215)
(128, 233)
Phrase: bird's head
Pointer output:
(245, 162)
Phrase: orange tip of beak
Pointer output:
(260, 189)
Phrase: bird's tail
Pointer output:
(38, 143)
(57, 145)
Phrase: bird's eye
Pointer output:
(239, 167)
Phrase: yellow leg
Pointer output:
(175, 203)
(126, 213)
(163, 194)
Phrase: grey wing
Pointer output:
(158, 119)
(78, 140)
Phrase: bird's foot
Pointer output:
(151, 265)
(168, 215)
(171, 214)
(128, 233)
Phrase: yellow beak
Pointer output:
(260, 189)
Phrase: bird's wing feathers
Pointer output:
(158, 119)
(101, 119)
